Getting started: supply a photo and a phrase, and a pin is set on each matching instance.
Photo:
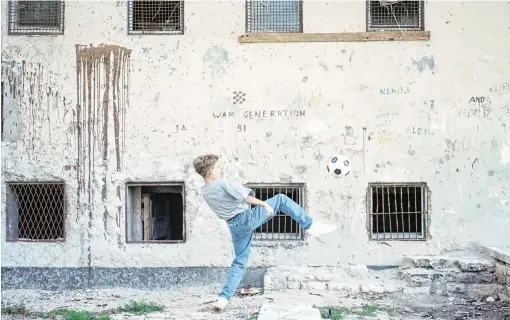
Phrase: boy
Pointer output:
(232, 203)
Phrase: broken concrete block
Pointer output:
(476, 265)
(274, 283)
(416, 290)
(325, 277)
(408, 263)
(372, 288)
(381, 288)
(439, 287)
(501, 273)
(481, 290)
(293, 285)
(470, 277)
(443, 263)
(275, 311)
(419, 277)
(314, 285)
(456, 288)
(347, 288)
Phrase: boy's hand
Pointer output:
(269, 210)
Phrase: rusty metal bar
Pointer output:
(401, 210)
(377, 212)
(396, 211)
(415, 215)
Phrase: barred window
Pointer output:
(35, 211)
(36, 17)
(398, 211)
(280, 226)
(155, 17)
(274, 16)
(385, 15)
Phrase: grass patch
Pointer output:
(66, 314)
(368, 310)
(339, 313)
(133, 307)
(18, 309)
(139, 308)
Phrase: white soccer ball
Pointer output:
(339, 166)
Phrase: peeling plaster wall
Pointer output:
(435, 111)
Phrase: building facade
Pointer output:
(106, 103)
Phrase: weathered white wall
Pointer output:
(177, 81)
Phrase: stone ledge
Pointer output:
(448, 263)
(499, 253)
(419, 277)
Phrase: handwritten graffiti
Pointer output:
(501, 87)
(259, 114)
(392, 91)
(420, 131)
(480, 101)
(223, 115)
(479, 112)
(382, 137)
(314, 101)
(179, 128)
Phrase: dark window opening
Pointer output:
(274, 16)
(156, 17)
(280, 227)
(395, 15)
(156, 213)
(398, 211)
(36, 17)
(35, 211)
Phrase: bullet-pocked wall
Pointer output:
(96, 108)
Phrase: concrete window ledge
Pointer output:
(335, 37)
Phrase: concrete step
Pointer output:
(419, 277)
(449, 263)
(346, 281)
(275, 310)
(472, 276)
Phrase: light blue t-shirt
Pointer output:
(226, 199)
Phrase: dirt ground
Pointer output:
(191, 304)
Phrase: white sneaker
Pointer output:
(318, 229)
(220, 304)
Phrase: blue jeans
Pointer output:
(242, 227)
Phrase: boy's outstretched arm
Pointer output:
(257, 202)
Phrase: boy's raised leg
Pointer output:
(290, 208)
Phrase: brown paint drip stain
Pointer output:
(32, 108)
(102, 89)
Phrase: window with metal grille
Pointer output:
(35, 211)
(280, 226)
(395, 15)
(36, 17)
(155, 212)
(274, 16)
(155, 17)
(398, 211)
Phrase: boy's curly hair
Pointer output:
(203, 163)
